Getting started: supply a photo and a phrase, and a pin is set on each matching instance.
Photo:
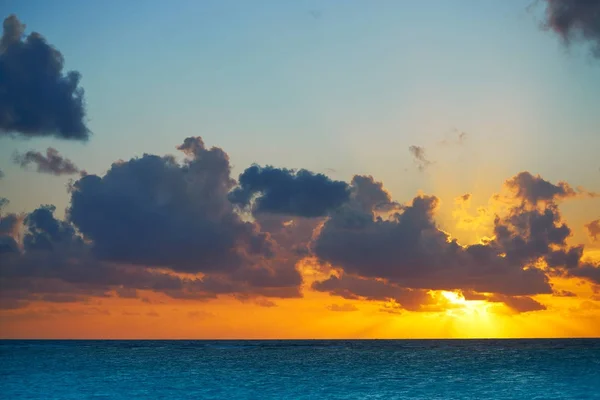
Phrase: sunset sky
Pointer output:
(299, 169)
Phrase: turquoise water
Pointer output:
(378, 369)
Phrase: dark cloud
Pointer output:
(593, 229)
(408, 251)
(371, 195)
(533, 189)
(51, 163)
(126, 292)
(144, 216)
(420, 159)
(265, 303)
(465, 197)
(1, 174)
(519, 304)
(575, 20)
(155, 224)
(358, 288)
(153, 211)
(346, 307)
(289, 192)
(587, 271)
(36, 97)
(564, 293)
(9, 224)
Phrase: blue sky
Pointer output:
(343, 85)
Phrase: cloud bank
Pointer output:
(186, 229)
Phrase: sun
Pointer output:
(458, 306)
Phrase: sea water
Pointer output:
(336, 369)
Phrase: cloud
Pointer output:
(288, 192)
(564, 293)
(420, 159)
(371, 195)
(518, 304)
(52, 163)
(593, 229)
(153, 223)
(1, 174)
(392, 308)
(199, 314)
(346, 307)
(358, 288)
(265, 303)
(459, 138)
(154, 211)
(36, 97)
(409, 249)
(533, 189)
(380, 258)
(138, 227)
(575, 20)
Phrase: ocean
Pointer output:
(314, 369)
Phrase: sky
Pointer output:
(299, 169)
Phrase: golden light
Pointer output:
(462, 308)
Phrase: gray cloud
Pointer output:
(420, 158)
(459, 138)
(593, 229)
(36, 97)
(144, 216)
(289, 192)
(153, 211)
(519, 304)
(575, 20)
(149, 219)
(408, 250)
(533, 189)
(51, 163)
(358, 288)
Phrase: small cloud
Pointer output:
(130, 313)
(199, 314)
(564, 293)
(593, 229)
(391, 308)
(316, 14)
(456, 138)
(420, 159)
(265, 303)
(126, 293)
(152, 314)
(347, 307)
(51, 163)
